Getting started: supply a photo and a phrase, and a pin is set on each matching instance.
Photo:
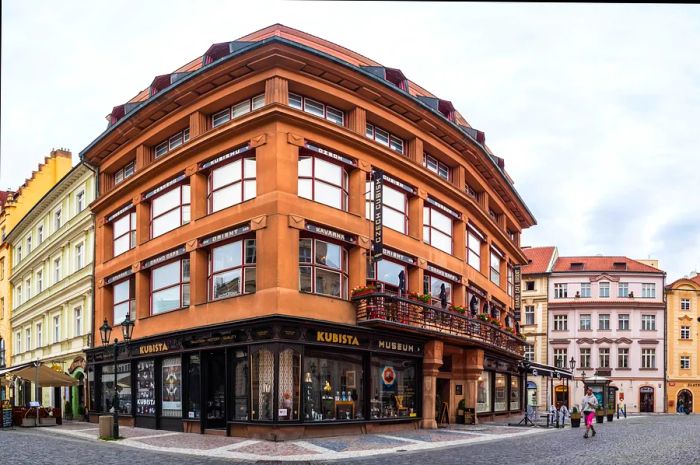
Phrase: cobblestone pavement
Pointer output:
(654, 440)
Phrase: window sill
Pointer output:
(152, 315)
(325, 295)
(648, 369)
(211, 301)
(623, 369)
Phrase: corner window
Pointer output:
(323, 182)
(171, 143)
(437, 229)
(123, 302)
(384, 137)
(323, 268)
(433, 285)
(394, 208)
(124, 233)
(239, 109)
(170, 286)
(495, 267)
(170, 210)
(232, 183)
(317, 108)
(232, 269)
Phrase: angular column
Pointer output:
(432, 361)
(473, 370)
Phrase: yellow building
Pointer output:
(14, 208)
(683, 339)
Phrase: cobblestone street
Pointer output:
(655, 440)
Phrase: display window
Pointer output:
(288, 392)
(123, 387)
(386, 272)
(241, 381)
(514, 392)
(145, 388)
(262, 366)
(194, 383)
(394, 382)
(332, 386)
(171, 381)
(500, 393)
(483, 393)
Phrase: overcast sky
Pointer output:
(595, 108)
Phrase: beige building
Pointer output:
(683, 339)
(533, 318)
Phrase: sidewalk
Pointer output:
(312, 449)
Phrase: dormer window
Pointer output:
(317, 108)
(436, 166)
(171, 143)
(620, 266)
(576, 266)
(126, 172)
(385, 138)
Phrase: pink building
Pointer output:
(608, 313)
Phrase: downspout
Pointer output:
(86, 385)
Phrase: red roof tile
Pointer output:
(598, 263)
(538, 258)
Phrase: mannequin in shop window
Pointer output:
(443, 296)
(473, 306)
(402, 283)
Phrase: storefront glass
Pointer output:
(332, 386)
(500, 397)
(123, 387)
(483, 393)
(514, 392)
(261, 382)
(289, 385)
(194, 407)
(241, 382)
(172, 387)
(145, 388)
(393, 388)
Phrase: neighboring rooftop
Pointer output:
(540, 259)
(602, 264)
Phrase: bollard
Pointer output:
(106, 424)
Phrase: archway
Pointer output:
(646, 399)
(685, 399)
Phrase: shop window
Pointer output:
(124, 233)
(194, 391)
(500, 398)
(232, 183)
(123, 387)
(394, 384)
(433, 285)
(323, 182)
(386, 272)
(483, 393)
(241, 108)
(170, 210)
(170, 286)
(323, 268)
(123, 300)
(240, 387)
(437, 229)
(146, 388)
(317, 108)
(332, 386)
(261, 382)
(394, 208)
(232, 269)
(171, 381)
(288, 394)
(171, 143)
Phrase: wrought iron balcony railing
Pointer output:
(386, 309)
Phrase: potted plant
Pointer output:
(610, 412)
(461, 408)
(483, 316)
(599, 415)
(363, 290)
(425, 298)
(575, 418)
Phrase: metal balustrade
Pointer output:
(391, 310)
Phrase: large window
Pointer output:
(232, 269)
(170, 210)
(232, 183)
(623, 321)
(685, 332)
(585, 289)
(474, 249)
(500, 397)
(394, 207)
(604, 289)
(323, 268)
(194, 392)
(495, 264)
(323, 181)
(603, 357)
(241, 383)
(623, 289)
(437, 229)
(332, 386)
(383, 137)
(560, 358)
(241, 108)
(433, 285)
(649, 290)
(386, 272)
(623, 354)
(560, 322)
(262, 373)
(170, 286)
(317, 108)
(529, 353)
(171, 143)
(171, 400)
(123, 387)
(483, 392)
(585, 361)
(146, 388)
(648, 322)
(529, 314)
(124, 233)
(393, 392)
(585, 322)
(560, 291)
(648, 358)
(604, 322)
(436, 166)
(123, 300)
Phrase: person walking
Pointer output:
(588, 406)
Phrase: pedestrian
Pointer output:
(588, 406)
(563, 413)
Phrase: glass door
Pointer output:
(214, 363)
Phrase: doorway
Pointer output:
(442, 394)
(214, 364)
(685, 399)
(646, 399)
(561, 396)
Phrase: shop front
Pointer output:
(499, 388)
(274, 378)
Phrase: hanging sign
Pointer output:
(517, 275)
(377, 244)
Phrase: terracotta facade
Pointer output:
(309, 104)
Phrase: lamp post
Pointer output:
(105, 333)
(572, 365)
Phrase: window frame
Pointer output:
(561, 291)
(343, 272)
(620, 320)
(685, 360)
(685, 333)
(393, 142)
(581, 321)
(623, 289)
(313, 179)
(181, 284)
(648, 322)
(124, 173)
(427, 159)
(130, 231)
(585, 290)
(369, 204)
(131, 299)
(649, 358)
(325, 108)
(604, 290)
(230, 111)
(604, 357)
(648, 290)
(585, 356)
(623, 354)
(560, 322)
(244, 180)
(529, 312)
(604, 318)
(77, 321)
(171, 143)
(495, 272)
(428, 278)
(428, 227)
(79, 201)
(56, 328)
(244, 267)
(685, 305)
(181, 207)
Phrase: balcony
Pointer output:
(386, 310)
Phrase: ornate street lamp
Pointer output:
(105, 333)
(572, 364)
